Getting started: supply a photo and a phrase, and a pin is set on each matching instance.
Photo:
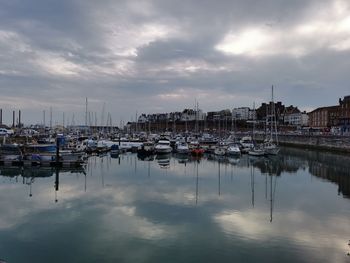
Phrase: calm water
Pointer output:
(294, 208)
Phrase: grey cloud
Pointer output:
(138, 52)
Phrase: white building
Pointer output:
(304, 119)
(243, 113)
(296, 119)
(192, 115)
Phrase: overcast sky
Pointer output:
(161, 55)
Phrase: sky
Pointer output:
(162, 55)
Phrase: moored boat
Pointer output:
(147, 148)
(233, 149)
(182, 148)
(197, 151)
(10, 152)
(163, 147)
(220, 150)
(115, 149)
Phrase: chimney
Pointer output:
(19, 119)
(13, 119)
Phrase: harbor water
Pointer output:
(294, 207)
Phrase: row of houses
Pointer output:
(284, 115)
(336, 117)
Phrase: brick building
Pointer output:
(333, 116)
(323, 117)
(344, 114)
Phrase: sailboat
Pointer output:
(270, 145)
(257, 150)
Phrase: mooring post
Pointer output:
(57, 178)
(57, 151)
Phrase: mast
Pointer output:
(63, 120)
(219, 181)
(50, 118)
(44, 121)
(272, 115)
(136, 122)
(252, 175)
(174, 125)
(86, 112)
(254, 121)
(266, 121)
(275, 117)
(197, 185)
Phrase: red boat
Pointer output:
(197, 152)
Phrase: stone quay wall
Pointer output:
(320, 142)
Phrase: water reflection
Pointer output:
(163, 160)
(328, 166)
(29, 175)
(174, 208)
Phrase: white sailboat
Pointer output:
(257, 150)
(271, 145)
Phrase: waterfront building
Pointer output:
(332, 116)
(344, 114)
(142, 118)
(323, 117)
(265, 109)
(219, 115)
(192, 115)
(243, 113)
(294, 117)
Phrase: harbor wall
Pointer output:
(319, 142)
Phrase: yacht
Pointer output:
(147, 148)
(247, 143)
(271, 148)
(182, 148)
(233, 149)
(220, 150)
(163, 147)
(257, 151)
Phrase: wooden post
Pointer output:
(57, 152)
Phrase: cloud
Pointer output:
(324, 30)
(135, 52)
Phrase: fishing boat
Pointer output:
(10, 152)
(40, 153)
